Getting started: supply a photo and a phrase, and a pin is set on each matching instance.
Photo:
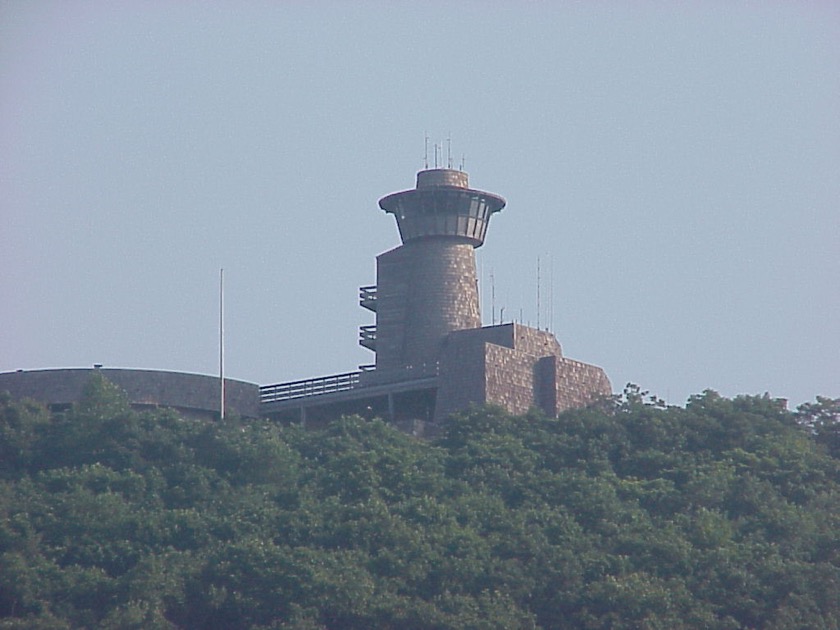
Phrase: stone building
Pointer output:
(433, 357)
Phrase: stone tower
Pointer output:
(427, 287)
(433, 356)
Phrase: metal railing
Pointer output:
(308, 387)
(367, 337)
(367, 297)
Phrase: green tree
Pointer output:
(823, 419)
(723, 514)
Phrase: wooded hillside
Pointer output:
(722, 514)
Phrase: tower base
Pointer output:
(513, 366)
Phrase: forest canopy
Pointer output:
(723, 514)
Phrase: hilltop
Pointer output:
(629, 514)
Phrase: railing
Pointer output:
(308, 387)
(367, 337)
(367, 297)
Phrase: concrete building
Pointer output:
(192, 395)
(433, 357)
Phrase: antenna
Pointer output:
(482, 294)
(426, 152)
(222, 344)
(449, 151)
(550, 292)
(493, 297)
(462, 162)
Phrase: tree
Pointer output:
(823, 419)
(723, 514)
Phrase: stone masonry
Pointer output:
(516, 367)
(433, 357)
(424, 291)
(427, 312)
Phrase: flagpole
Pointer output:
(222, 343)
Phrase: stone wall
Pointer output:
(462, 376)
(578, 384)
(511, 378)
(425, 290)
(392, 286)
(516, 367)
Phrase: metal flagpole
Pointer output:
(222, 343)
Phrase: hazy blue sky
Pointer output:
(674, 166)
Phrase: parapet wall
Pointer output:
(578, 384)
(516, 367)
(193, 395)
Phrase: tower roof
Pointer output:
(443, 205)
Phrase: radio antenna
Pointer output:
(551, 292)
(493, 296)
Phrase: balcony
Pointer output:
(367, 337)
(367, 297)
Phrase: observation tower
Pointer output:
(433, 356)
(427, 287)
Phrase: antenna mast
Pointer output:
(493, 297)
(550, 292)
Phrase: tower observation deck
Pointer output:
(427, 287)
(443, 205)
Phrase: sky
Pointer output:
(672, 170)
